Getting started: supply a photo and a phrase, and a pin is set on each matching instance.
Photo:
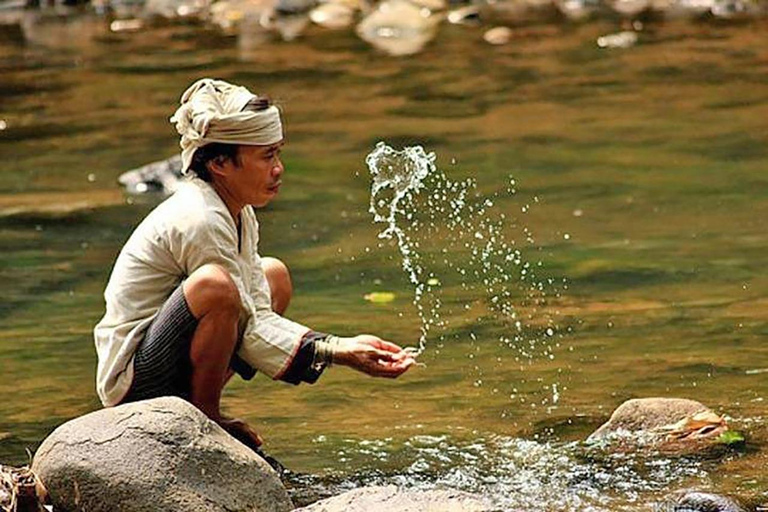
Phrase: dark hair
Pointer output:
(214, 150)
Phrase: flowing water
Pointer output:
(632, 183)
(446, 233)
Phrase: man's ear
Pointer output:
(218, 165)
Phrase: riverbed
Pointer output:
(640, 174)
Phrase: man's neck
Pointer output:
(233, 205)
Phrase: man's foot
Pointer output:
(241, 431)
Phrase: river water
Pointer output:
(640, 189)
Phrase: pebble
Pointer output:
(625, 39)
(126, 25)
(498, 35)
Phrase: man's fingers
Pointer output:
(389, 346)
(381, 355)
(391, 369)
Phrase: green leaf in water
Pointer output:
(730, 437)
(380, 297)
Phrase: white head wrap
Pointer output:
(212, 111)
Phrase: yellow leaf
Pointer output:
(380, 297)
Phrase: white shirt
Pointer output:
(190, 229)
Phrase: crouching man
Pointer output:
(190, 302)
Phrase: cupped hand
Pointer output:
(373, 356)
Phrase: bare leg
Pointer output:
(214, 300)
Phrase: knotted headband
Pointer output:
(212, 111)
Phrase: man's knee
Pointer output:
(211, 288)
(280, 284)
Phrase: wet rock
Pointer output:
(163, 176)
(629, 8)
(498, 35)
(130, 25)
(172, 9)
(290, 27)
(399, 27)
(121, 9)
(697, 501)
(467, 15)
(293, 7)
(578, 10)
(392, 499)
(160, 454)
(229, 15)
(624, 39)
(676, 424)
(734, 10)
(333, 15)
(432, 5)
(683, 9)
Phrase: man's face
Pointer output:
(255, 177)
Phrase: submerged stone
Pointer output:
(290, 27)
(498, 35)
(698, 501)
(392, 499)
(467, 15)
(291, 7)
(171, 9)
(624, 39)
(333, 15)
(674, 424)
(578, 10)
(162, 176)
(734, 10)
(683, 9)
(161, 454)
(399, 27)
(230, 14)
(629, 8)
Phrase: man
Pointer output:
(190, 302)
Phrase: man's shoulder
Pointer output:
(193, 208)
(195, 200)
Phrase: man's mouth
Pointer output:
(274, 188)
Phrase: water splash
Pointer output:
(451, 237)
(513, 473)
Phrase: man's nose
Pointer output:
(278, 169)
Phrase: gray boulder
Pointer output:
(392, 499)
(160, 454)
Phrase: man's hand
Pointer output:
(372, 355)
